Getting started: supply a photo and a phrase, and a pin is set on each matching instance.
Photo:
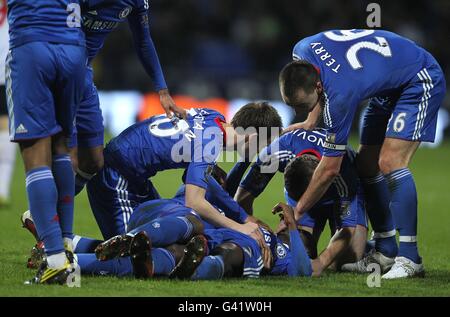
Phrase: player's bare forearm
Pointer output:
(321, 180)
(339, 243)
(195, 199)
(245, 199)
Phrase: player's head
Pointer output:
(256, 121)
(298, 173)
(300, 86)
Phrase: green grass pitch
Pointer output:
(432, 174)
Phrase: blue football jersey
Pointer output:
(56, 21)
(277, 155)
(355, 65)
(159, 143)
(281, 253)
(102, 19)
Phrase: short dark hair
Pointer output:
(298, 174)
(257, 114)
(298, 75)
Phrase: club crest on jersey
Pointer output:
(125, 12)
(281, 251)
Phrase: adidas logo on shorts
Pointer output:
(21, 129)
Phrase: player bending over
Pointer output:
(335, 71)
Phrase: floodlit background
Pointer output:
(226, 52)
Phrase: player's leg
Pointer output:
(107, 193)
(414, 120)
(64, 180)
(373, 181)
(68, 93)
(168, 230)
(225, 260)
(148, 261)
(88, 145)
(89, 265)
(395, 157)
(32, 121)
(7, 151)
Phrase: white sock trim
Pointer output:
(75, 241)
(382, 235)
(407, 239)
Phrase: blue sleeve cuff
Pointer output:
(300, 264)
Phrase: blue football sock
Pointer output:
(377, 204)
(90, 265)
(65, 184)
(211, 268)
(84, 244)
(166, 230)
(163, 261)
(404, 208)
(42, 198)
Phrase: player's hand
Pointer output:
(305, 125)
(252, 229)
(288, 215)
(281, 226)
(260, 223)
(169, 105)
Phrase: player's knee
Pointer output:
(389, 163)
(197, 225)
(233, 259)
(347, 233)
(74, 158)
(91, 164)
(59, 144)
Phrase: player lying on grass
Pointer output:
(224, 245)
(166, 221)
(232, 254)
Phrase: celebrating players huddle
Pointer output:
(208, 230)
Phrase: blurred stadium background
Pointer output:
(222, 53)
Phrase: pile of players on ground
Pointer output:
(147, 236)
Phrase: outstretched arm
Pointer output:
(300, 264)
(146, 51)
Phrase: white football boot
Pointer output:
(404, 267)
(372, 257)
